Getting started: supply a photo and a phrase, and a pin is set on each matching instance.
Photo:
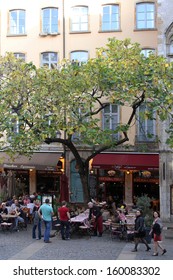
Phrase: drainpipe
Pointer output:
(63, 29)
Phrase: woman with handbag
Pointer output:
(139, 233)
(156, 233)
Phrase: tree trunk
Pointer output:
(83, 172)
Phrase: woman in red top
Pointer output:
(64, 216)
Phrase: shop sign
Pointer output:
(111, 179)
(151, 180)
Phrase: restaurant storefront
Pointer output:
(126, 176)
(40, 174)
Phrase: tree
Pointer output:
(71, 97)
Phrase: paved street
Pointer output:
(21, 246)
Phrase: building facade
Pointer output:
(47, 31)
(165, 48)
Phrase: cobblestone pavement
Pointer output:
(21, 246)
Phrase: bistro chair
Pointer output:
(116, 230)
(5, 226)
(86, 228)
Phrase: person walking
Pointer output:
(46, 213)
(95, 216)
(156, 231)
(139, 233)
(36, 223)
(64, 217)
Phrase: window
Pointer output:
(79, 57)
(171, 46)
(79, 19)
(50, 20)
(169, 42)
(20, 56)
(110, 18)
(13, 127)
(17, 22)
(49, 59)
(111, 118)
(146, 52)
(146, 126)
(145, 16)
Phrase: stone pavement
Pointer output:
(21, 246)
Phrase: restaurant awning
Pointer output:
(126, 161)
(39, 161)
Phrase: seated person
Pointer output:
(14, 206)
(16, 210)
(121, 216)
(3, 209)
(18, 219)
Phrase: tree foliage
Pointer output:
(70, 99)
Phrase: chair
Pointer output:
(106, 226)
(6, 226)
(130, 232)
(27, 214)
(86, 228)
(116, 230)
(22, 226)
(58, 229)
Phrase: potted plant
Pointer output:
(144, 203)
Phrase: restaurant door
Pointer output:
(116, 190)
(48, 183)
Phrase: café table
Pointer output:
(8, 221)
(80, 222)
(81, 218)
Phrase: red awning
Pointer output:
(126, 161)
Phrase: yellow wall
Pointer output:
(32, 44)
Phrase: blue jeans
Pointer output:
(38, 226)
(65, 229)
(48, 225)
(17, 220)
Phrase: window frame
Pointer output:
(19, 55)
(110, 114)
(18, 19)
(79, 61)
(50, 62)
(50, 19)
(146, 51)
(145, 13)
(142, 124)
(110, 15)
(80, 21)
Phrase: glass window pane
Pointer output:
(84, 27)
(114, 108)
(46, 56)
(79, 19)
(79, 56)
(17, 22)
(50, 20)
(145, 15)
(49, 58)
(110, 17)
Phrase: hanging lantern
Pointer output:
(146, 174)
(111, 173)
